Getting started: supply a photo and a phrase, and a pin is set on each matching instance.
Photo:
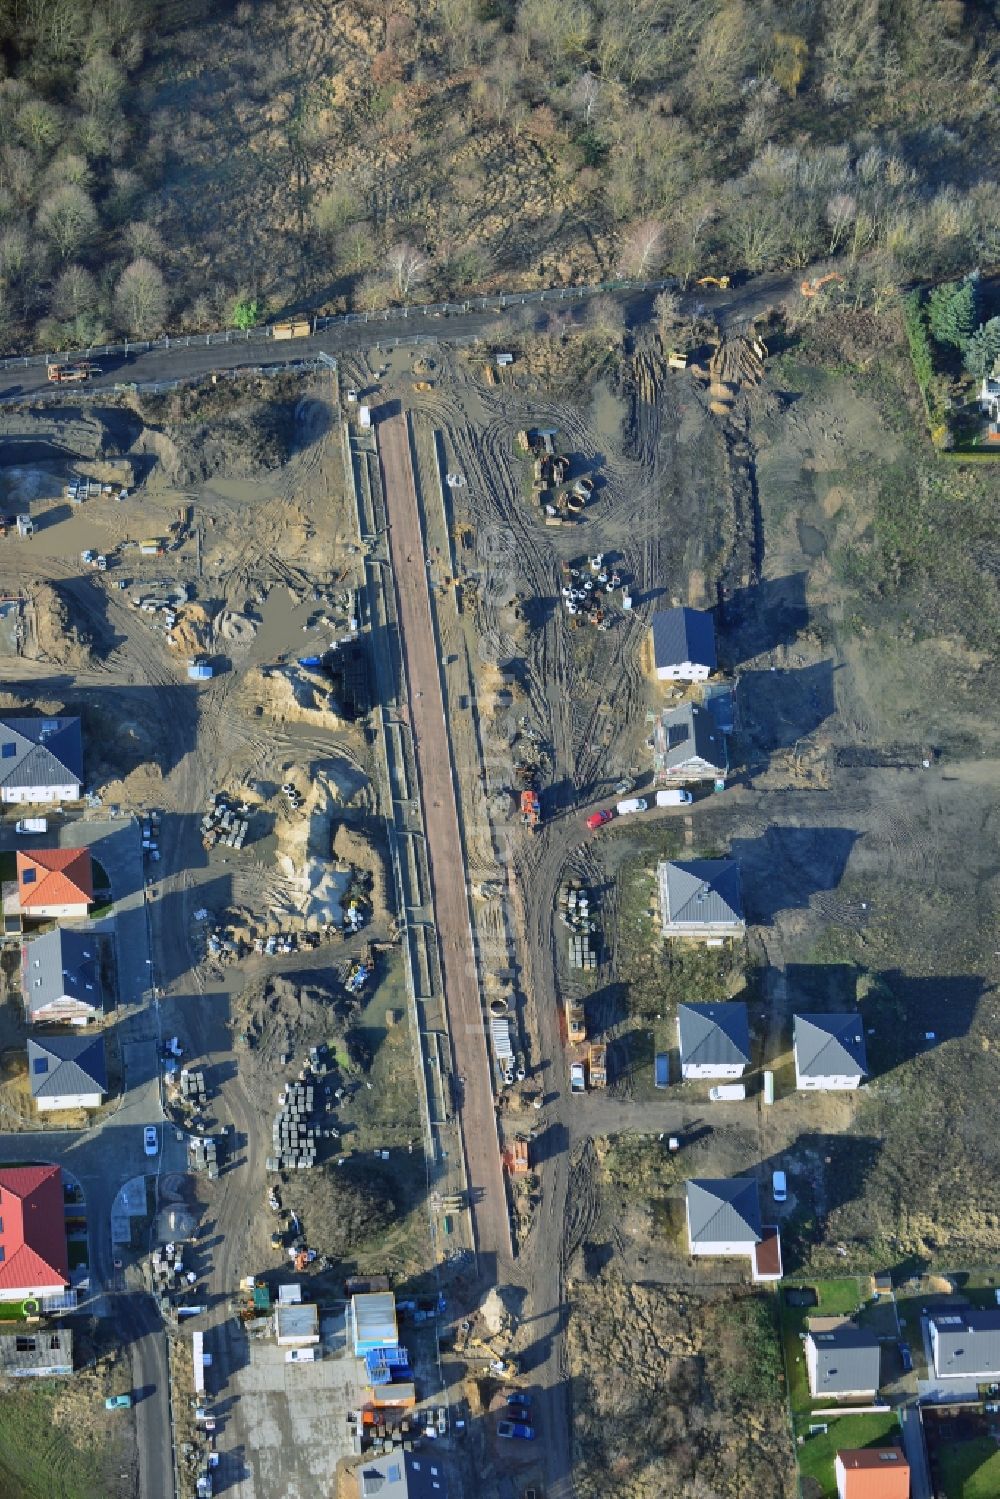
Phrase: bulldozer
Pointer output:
(722, 282)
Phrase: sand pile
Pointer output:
(192, 631)
(352, 850)
(234, 629)
(291, 696)
(58, 637)
(314, 888)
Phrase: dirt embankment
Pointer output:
(60, 634)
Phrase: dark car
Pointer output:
(516, 1429)
(519, 1397)
(519, 1413)
(906, 1357)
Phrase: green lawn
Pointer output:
(817, 1453)
(836, 1298)
(969, 1470)
(42, 1458)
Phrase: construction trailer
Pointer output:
(373, 1322)
(300, 328)
(576, 1022)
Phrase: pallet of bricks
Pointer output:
(292, 1137)
(581, 951)
(224, 824)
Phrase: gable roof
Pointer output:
(33, 1236)
(54, 877)
(875, 1473)
(61, 964)
(63, 1065)
(724, 1211)
(40, 751)
(684, 732)
(829, 1045)
(968, 1341)
(847, 1358)
(704, 890)
(714, 1034)
(683, 635)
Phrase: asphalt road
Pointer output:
(187, 361)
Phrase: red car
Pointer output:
(598, 819)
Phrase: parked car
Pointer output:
(519, 1397)
(150, 1140)
(516, 1429)
(673, 798)
(118, 1403)
(906, 1357)
(632, 804)
(779, 1186)
(577, 1078)
(598, 819)
(520, 1413)
(32, 825)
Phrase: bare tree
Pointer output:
(75, 292)
(642, 248)
(144, 240)
(407, 267)
(141, 297)
(100, 84)
(372, 291)
(39, 125)
(586, 92)
(839, 212)
(68, 218)
(667, 307)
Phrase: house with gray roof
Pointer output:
(965, 1344)
(67, 1072)
(683, 645)
(843, 1362)
(701, 898)
(829, 1051)
(61, 977)
(714, 1040)
(41, 760)
(723, 1219)
(401, 1475)
(688, 745)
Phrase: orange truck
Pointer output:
(531, 811)
(71, 374)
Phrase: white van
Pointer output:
(728, 1093)
(633, 804)
(779, 1186)
(673, 798)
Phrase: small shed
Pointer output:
(199, 671)
(373, 1322)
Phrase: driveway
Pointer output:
(916, 1452)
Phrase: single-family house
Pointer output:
(38, 1353)
(67, 1072)
(965, 1344)
(701, 898)
(872, 1473)
(683, 645)
(714, 1039)
(723, 1219)
(688, 745)
(54, 882)
(843, 1363)
(34, 1260)
(401, 1475)
(41, 759)
(989, 396)
(829, 1051)
(61, 977)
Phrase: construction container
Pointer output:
(299, 329)
(597, 1066)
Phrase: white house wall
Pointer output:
(78, 910)
(683, 671)
(723, 1248)
(26, 795)
(695, 1070)
(18, 1293)
(826, 1084)
(70, 1101)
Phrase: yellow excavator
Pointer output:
(722, 282)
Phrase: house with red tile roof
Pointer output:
(34, 1260)
(54, 882)
(872, 1473)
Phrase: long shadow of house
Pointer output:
(779, 708)
(787, 866)
(764, 617)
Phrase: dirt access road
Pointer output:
(444, 845)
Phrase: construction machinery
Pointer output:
(531, 811)
(298, 329)
(597, 1065)
(520, 1160)
(816, 285)
(576, 1022)
(422, 385)
(71, 374)
(722, 282)
(677, 359)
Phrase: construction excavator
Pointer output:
(811, 288)
(722, 282)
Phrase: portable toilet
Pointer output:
(768, 1087)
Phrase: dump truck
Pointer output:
(531, 812)
(576, 1022)
(298, 329)
(520, 1157)
(71, 374)
(597, 1066)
